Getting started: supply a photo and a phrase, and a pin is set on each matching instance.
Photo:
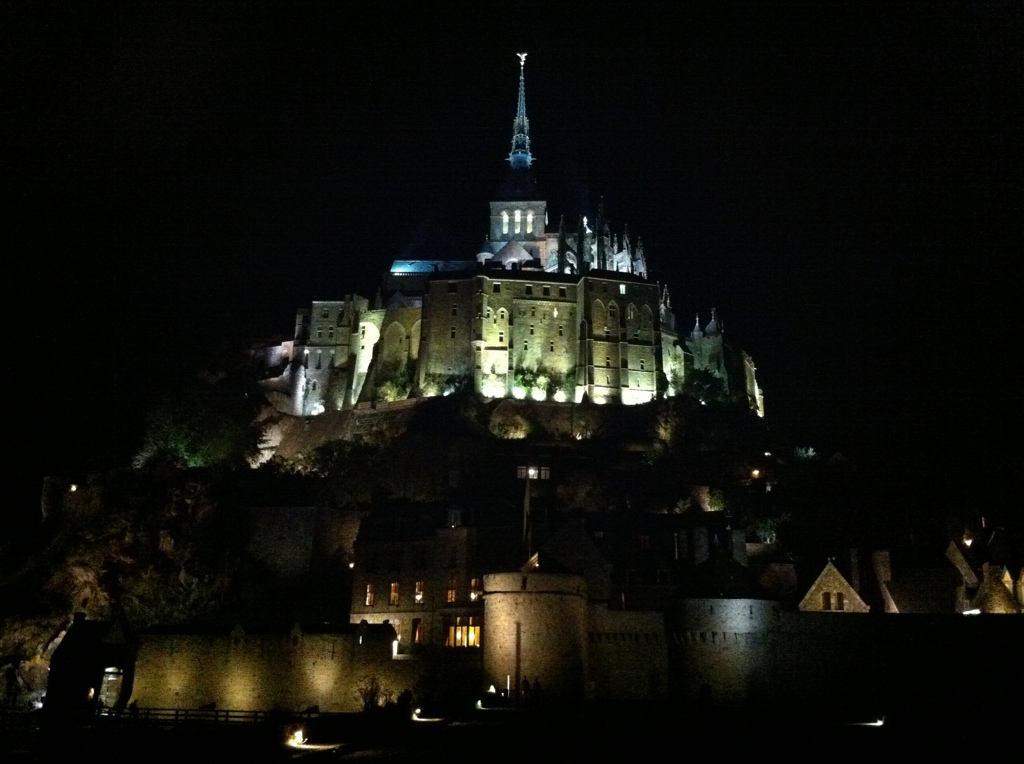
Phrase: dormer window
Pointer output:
(504, 221)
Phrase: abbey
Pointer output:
(540, 312)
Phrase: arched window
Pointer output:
(519, 220)
(529, 221)
(504, 221)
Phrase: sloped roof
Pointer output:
(513, 252)
(831, 580)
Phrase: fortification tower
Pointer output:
(535, 627)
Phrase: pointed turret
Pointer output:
(714, 327)
(519, 183)
(520, 157)
(583, 260)
(563, 246)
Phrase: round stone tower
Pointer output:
(535, 627)
(722, 635)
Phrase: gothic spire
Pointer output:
(520, 156)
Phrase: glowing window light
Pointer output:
(519, 221)
(504, 222)
(529, 221)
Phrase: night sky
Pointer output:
(843, 185)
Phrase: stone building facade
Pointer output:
(538, 312)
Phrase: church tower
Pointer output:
(518, 215)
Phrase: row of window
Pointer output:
(563, 292)
(517, 220)
(459, 631)
(451, 592)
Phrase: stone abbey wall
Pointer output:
(264, 672)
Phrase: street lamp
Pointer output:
(528, 473)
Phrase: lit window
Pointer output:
(450, 596)
(622, 288)
(369, 595)
(529, 221)
(463, 631)
(519, 220)
(476, 589)
(417, 631)
(420, 591)
(504, 221)
(393, 597)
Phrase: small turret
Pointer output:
(714, 327)
(563, 246)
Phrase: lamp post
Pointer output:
(528, 473)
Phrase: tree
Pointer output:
(704, 385)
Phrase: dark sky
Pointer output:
(842, 184)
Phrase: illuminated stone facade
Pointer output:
(541, 313)
(266, 671)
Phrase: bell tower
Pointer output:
(518, 213)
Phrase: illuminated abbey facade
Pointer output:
(539, 312)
